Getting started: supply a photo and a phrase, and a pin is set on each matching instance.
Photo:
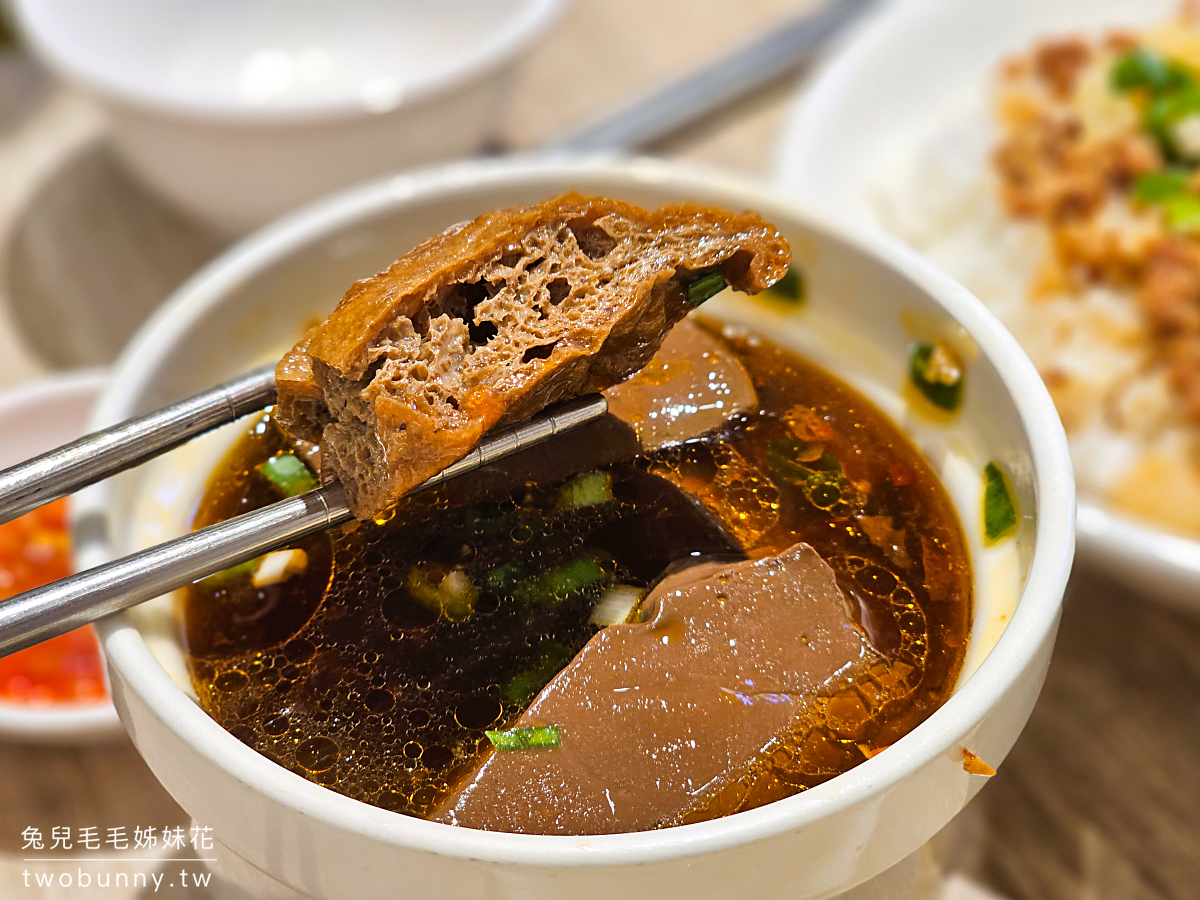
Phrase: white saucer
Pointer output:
(34, 418)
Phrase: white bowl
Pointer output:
(281, 835)
(912, 64)
(241, 111)
(34, 418)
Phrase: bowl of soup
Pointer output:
(373, 710)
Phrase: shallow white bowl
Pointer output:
(281, 835)
(34, 418)
(241, 111)
(911, 64)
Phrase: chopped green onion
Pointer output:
(1163, 113)
(535, 737)
(817, 471)
(938, 374)
(486, 526)
(1182, 212)
(562, 581)
(1173, 94)
(999, 507)
(782, 456)
(453, 596)
(588, 489)
(1169, 189)
(1142, 68)
(704, 286)
(790, 287)
(799, 461)
(227, 576)
(1154, 187)
(504, 576)
(288, 473)
(523, 687)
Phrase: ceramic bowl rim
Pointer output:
(534, 18)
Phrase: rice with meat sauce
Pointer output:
(1041, 204)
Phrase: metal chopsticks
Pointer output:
(96, 456)
(61, 606)
(648, 119)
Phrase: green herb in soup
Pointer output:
(999, 507)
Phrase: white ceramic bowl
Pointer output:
(241, 111)
(281, 835)
(912, 64)
(34, 418)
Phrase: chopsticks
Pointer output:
(103, 453)
(666, 110)
(61, 606)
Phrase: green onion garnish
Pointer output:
(504, 576)
(588, 489)
(938, 374)
(1182, 212)
(1170, 190)
(453, 595)
(536, 737)
(227, 576)
(524, 686)
(704, 286)
(1172, 89)
(808, 466)
(1144, 69)
(799, 461)
(790, 287)
(1154, 187)
(562, 581)
(999, 507)
(288, 473)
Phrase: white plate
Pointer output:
(911, 63)
(34, 418)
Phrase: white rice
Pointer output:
(942, 198)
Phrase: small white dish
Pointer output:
(34, 418)
(911, 64)
(279, 835)
(241, 111)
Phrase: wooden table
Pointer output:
(1099, 799)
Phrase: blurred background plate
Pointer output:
(915, 64)
(34, 418)
(241, 111)
(91, 253)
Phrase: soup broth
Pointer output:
(375, 666)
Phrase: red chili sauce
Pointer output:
(36, 549)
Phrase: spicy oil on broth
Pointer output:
(375, 669)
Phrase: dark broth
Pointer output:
(352, 676)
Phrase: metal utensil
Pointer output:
(97, 456)
(664, 111)
(61, 606)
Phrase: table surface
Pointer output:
(1099, 799)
